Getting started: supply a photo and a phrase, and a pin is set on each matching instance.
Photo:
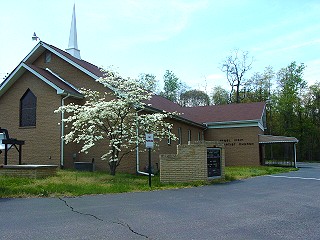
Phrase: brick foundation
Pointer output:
(28, 171)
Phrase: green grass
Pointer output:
(237, 173)
(73, 183)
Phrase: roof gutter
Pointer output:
(236, 124)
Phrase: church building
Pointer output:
(49, 77)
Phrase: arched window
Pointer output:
(28, 105)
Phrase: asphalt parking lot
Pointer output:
(283, 206)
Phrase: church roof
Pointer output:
(57, 81)
(61, 85)
(84, 64)
(206, 115)
(212, 114)
(226, 113)
(86, 67)
(46, 75)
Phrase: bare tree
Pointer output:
(235, 66)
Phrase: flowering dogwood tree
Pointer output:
(119, 118)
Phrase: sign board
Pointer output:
(149, 140)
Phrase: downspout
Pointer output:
(295, 155)
(62, 133)
(203, 132)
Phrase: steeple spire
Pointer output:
(73, 43)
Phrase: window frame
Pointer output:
(28, 111)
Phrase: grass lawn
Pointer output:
(238, 173)
(73, 183)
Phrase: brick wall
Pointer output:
(190, 162)
(42, 143)
(241, 144)
(165, 148)
(28, 171)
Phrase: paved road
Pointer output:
(284, 206)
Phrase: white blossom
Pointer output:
(112, 117)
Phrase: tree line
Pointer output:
(293, 107)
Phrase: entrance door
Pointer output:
(214, 162)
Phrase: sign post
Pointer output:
(149, 145)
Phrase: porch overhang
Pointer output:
(268, 139)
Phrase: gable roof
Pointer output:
(52, 79)
(47, 76)
(86, 67)
(201, 116)
(80, 63)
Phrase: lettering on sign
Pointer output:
(230, 144)
(149, 140)
(236, 142)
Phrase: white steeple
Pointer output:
(73, 43)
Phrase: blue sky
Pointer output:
(189, 37)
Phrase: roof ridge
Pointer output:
(95, 71)
(223, 105)
(82, 60)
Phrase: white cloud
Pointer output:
(290, 40)
(145, 20)
(300, 45)
(215, 77)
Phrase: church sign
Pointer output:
(232, 142)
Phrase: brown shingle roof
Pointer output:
(215, 113)
(55, 80)
(162, 103)
(226, 113)
(86, 65)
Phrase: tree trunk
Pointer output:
(113, 166)
(238, 93)
(114, 163)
